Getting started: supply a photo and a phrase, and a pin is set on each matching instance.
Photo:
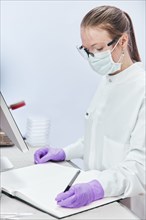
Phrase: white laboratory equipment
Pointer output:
(37, 131)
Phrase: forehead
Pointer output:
(91, 36)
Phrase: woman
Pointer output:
(113, 144)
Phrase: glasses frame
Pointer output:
(92, 54)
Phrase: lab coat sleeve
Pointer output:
(74, 150)
(128, 178)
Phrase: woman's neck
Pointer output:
(127, 61)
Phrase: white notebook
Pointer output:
(39, 185)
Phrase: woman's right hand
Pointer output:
(46, 154)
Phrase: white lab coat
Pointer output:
(113, 146)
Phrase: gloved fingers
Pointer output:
(37, 157)
(45, 158)
(64, 195)
(39, 154)
(47, 155)
(80, 195)
(68, 202)
(74, 201)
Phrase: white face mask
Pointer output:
(103, 63)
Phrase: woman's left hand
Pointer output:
(80, 195)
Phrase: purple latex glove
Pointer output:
(46, 154)
(80, 195)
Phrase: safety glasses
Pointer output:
(97, 48)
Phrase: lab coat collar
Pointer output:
(126, 74)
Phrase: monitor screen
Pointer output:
(9, 126)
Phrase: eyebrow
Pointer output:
(93, 44)
(108, 44)
(90, 46)
(98, 43)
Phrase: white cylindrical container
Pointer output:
(37, 131)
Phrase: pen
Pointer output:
(72, 181)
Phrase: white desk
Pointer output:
(111, 211)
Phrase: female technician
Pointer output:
(113, 146)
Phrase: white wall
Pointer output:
(41, 65)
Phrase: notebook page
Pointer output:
(27, 176)
(43, 194)
(41, 184)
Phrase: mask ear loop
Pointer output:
(122, 55)
(115, 46)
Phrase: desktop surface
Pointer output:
(112, 211)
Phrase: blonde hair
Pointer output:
(115, 22)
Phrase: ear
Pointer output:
(124, 41)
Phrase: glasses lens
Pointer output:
(100, 47)
(97, 48)
(83, 52)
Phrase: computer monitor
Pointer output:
(9, 126)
